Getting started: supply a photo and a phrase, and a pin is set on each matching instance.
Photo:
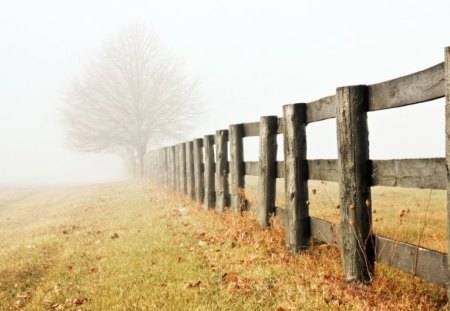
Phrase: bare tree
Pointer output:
(133, 97)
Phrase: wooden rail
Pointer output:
(209, 177)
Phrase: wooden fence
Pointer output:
(209, 177)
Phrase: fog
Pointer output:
(249, 57)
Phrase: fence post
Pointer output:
(357, 245)
(157, 158)
(267, 169)
(199, 178)
(210, 195)
(238, 202)
(447, 153)
(182, 161)
(165, 167)
(296, 177)
(190, 169)
(177, 167)
(173, 171)
(222, 190)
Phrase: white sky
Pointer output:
(250, 57)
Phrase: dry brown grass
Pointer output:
(137, 246)
(417, 216)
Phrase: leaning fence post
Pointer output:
(190, 169)
(267, 169)
(357, 246)
(447, 153)
(222, 191)
(199, 178)
(296, 177)
(210, 195)
(237, 169)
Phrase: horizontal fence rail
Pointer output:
(201, 169)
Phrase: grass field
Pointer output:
(417, 216)
(136, 246)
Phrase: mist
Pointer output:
(249, 59)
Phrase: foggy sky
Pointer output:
(250, 58)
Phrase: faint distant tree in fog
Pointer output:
(132, 97)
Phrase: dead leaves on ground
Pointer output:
(193, 284)
(69, 303)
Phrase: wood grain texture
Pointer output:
(410, 173)
(296, 177)
(411, 89)
(325, 170)
(190, 178)
(221, 183)
(321, 109)
(357, 249)
(267, 169)
(324, 231)
(447, 151)
(407, 173)
(424, 263)
(210, 194)
(199, 179)
(238, 202)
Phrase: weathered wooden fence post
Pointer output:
(199, 178)
(173, 171)
(190, 169)
(157, 159)
(238, 202)
(447, 153)
(182, 160)
(210, 195)
(221, 183)
(168, 180)
(357, 245)
(177, 168)
(296, 177)
(267, 169)
(166, 167)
